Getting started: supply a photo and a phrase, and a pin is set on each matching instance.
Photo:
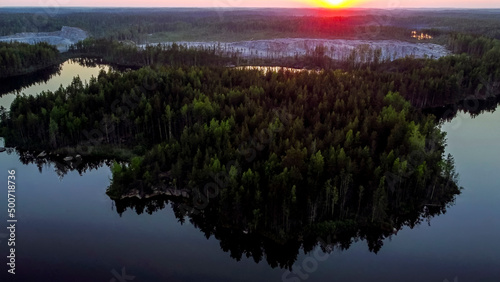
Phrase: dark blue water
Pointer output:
(69, 230)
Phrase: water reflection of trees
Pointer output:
(472, 107)
(18, 83)
(58, 163)
(278, 231)
(93, 62)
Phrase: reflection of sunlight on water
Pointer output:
(68, 71)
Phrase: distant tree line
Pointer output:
(136, 25)
(172, 55)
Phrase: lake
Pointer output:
(51, 80)
(68, 229)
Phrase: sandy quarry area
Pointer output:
(271, 48)
(335, 48)
(61, 39)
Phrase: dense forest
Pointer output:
(21, 58)
(472, 73)
(135, 25)
(153, 25)
(281, 137)
(425, 83)
(448, 80)
(130, 55)
(279, 154)
(140, 109)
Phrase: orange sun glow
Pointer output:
(335, 4)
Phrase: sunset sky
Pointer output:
(390, 4)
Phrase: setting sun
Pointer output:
(335, 4)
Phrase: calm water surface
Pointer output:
(69, 230)
(64, 78)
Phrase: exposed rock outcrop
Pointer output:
(61, 39)
(135, 193)
(338, 49)
(68, 159)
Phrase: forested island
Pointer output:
(285, 156)
(293, 137)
